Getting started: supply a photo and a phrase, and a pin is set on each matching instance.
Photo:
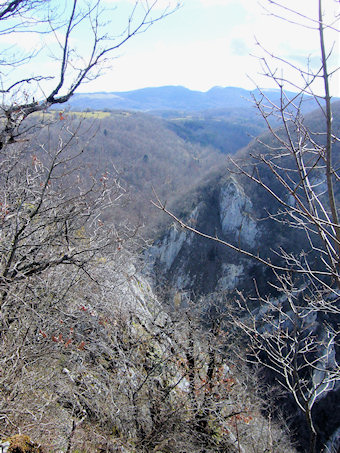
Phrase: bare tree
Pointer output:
(51, 208)
(55, 233)
(296, 334)
(63, 25)
(52, 211)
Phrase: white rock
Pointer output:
(236, 213)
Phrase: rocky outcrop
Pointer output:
(166, 251)
(191, 263)
(237, 213)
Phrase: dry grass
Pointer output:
(54, 114)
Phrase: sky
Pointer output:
(204, 43)
(208, 43)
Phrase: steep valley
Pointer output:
(137, 340)
(231, 208)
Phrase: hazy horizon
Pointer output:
(208, 43)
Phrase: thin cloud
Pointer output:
(239, 47)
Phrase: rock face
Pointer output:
(230, 209)
(191, 263)
(236, 211)
(237, 214)
(262, 222)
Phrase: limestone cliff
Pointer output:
(221, 208)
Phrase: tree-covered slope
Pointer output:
(228, 204)
(140, 151)
(264, 250)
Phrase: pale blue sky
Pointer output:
(209, 42)
(205, 43)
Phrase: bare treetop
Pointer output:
(70, 43)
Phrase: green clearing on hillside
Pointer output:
(54, 114)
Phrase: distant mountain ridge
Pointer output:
(176, 98)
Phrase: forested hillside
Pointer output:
(111, 362)
(140, 151)
(224, 130)
(92, 359)
(169, 272)
(146, 153)
(238, 232)
(228, 204)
